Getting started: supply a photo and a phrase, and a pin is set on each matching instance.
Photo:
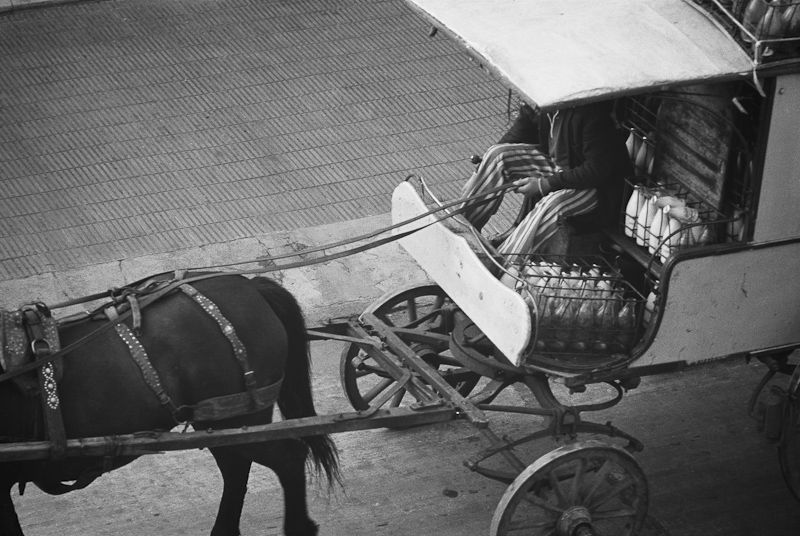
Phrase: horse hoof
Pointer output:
(310, 529)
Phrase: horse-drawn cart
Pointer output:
(711, 129)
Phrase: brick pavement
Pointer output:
(139, 127)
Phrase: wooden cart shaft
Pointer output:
(155, 442)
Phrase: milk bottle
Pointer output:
(643, 220)
(642, 158)
(654, 231)
(632, 210)
(670, 234)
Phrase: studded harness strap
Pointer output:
(255, 399)
(42, 332)
(139, 356)
(239, 351)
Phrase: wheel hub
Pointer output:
(573, 520)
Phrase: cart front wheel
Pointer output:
(419, 308)
(588, 487)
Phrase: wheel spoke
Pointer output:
(575, 475)
(411, 309)
(433, 314)
(425, 322)
(554, 483)
(544, 505)
(599, 479)
(380, 387)
(548, 526)
(612, 493)
(366, 370)
(614, 514)
(365, 377)
(577, 481)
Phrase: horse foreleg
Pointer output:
(287, 458)
(9, 522)
(235, 472)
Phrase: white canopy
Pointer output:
(560, 51)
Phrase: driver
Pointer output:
(570, 164)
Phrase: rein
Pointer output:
(151, 297)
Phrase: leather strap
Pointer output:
(150, 375)
(144, 301)
(136, 314)
(487, 196)
(239, 351)
(42, 346)
(223, 407)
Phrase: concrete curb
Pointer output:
(328, 290)
(16, 5)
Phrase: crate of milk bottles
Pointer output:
(765, 28)
(579, 305)
(662, 219)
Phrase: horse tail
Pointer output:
(296, 399)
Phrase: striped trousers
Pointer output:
(506, 163)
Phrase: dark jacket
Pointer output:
(597, 154)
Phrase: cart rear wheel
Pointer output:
(588, 484)
(789, 446)
(418, 308)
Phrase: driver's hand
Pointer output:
(529, 186)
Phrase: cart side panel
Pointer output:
(779, 201)
(729, 302)
(498, 311)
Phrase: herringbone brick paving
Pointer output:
(138, 127)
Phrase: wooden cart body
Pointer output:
(736, 297)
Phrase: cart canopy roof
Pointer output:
(556, 52)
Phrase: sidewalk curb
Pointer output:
(16, 5)
(333, 289)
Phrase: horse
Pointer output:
(102, 393)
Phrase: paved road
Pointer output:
(138, 127)
(710, 472)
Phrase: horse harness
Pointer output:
(34, 323)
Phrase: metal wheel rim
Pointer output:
(602, 478)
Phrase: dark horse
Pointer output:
(103, 393)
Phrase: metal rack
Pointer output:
(692, 147)
(768, 30)
(708, 167)
(582, 306)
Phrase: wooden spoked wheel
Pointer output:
(418, 308)
(789, 446)
(586, 488)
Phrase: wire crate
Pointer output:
(695, 145)
(664, 217)
(769, 30)
(581, 306)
